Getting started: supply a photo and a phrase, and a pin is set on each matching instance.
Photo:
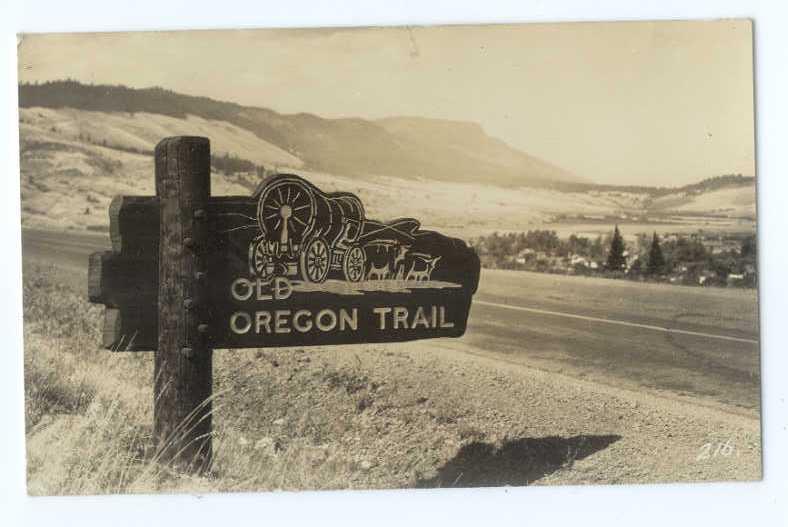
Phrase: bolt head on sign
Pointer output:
(290, 265)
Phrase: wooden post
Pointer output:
(183, 366)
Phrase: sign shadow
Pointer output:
(518, 462)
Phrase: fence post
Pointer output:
(183, 365)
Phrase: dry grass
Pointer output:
(86, 414)
(89, 415)
(279, 421)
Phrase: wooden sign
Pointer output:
(289, 266)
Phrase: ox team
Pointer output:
(278, 321)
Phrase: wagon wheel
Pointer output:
(259, 260)
(286, 211)
(314, 261)
(353, 264)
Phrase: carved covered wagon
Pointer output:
(306, 233)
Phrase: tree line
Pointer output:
(707, 185)
(232, 164)
(677, 258)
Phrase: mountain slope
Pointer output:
(428, 138)
(141, 131)
(734, 201)
(74, 161)
(449, 174)
(409, 148)
(68, 181)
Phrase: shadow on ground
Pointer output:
(518, 462)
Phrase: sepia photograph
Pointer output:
(408, 257)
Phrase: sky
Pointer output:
(635, 103)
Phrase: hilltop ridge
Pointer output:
(403, 147)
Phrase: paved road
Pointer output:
(681, 340)
(67, 251)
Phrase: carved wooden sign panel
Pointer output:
(289, 266)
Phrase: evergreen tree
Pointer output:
(656, 260)
(615, 257)
(748, 247)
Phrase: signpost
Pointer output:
(289, 266)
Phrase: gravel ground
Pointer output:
(439, 414)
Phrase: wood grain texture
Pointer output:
(130, 329)
(134, 221)
(116, 280)
(183, 362)
(134, 225)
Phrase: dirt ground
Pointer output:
(425, 415)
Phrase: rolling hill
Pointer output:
(74, 161)
(403, 147)
(730, 201)
(140, 131)
(82, 145)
